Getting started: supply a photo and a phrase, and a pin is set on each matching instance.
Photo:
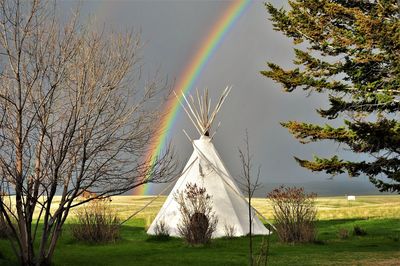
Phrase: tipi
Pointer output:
(206, 169)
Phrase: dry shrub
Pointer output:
(96, 222)
(198, 221)
(230, 231)
(295, 214)
(343, 233)
(161, 230)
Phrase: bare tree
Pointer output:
(73, 118)
(249, 183)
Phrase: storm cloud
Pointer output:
(172, 31)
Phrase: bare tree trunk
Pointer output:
(249, 186)
(250, 232)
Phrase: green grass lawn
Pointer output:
(381, 246)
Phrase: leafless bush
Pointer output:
(229, 230)
(295, 214)
(343, 233)
(161, 229)
(96, 222)
(198, 221)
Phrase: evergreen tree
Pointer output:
(352, 55)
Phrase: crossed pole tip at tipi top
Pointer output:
(199, 111)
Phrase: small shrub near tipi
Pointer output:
(161, 230)
(229, 230)
(295, 214)
(96, 222)
(198, 221)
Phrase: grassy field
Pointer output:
(378, 215)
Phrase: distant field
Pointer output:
(329, 208)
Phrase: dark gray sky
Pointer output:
(172, 32)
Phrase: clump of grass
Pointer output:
(358, 231)
(96, 222)
(343, 233)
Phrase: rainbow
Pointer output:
(189, 77)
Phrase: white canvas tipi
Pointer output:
(206, 169)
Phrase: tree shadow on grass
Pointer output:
(126, 233)
(327, 223)
(157, 239)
